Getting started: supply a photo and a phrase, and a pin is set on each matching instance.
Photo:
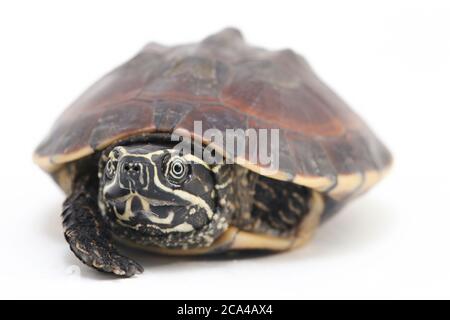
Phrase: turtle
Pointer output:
(114, 155)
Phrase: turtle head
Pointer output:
(159, 196)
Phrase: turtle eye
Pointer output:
(177, 170)
(110, 169)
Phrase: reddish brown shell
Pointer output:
(227, 84)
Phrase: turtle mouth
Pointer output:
(139, 203)
(159, 218)
(147, 211)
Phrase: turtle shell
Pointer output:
(225, 83)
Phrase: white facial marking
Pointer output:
(224, 185)
(216, 169)
(167, 220)
(192, 158)
(183, 227)
(182, 194)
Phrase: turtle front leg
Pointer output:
(89, 237)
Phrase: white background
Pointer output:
(389, 59)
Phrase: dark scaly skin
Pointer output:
(87, 234)
(269, 206)
(279, 206)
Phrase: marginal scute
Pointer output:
(311, 221)
(226, 83)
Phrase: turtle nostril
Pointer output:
(131, 168)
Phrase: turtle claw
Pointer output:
(103, 257)
(119, 265)
(123, 266)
